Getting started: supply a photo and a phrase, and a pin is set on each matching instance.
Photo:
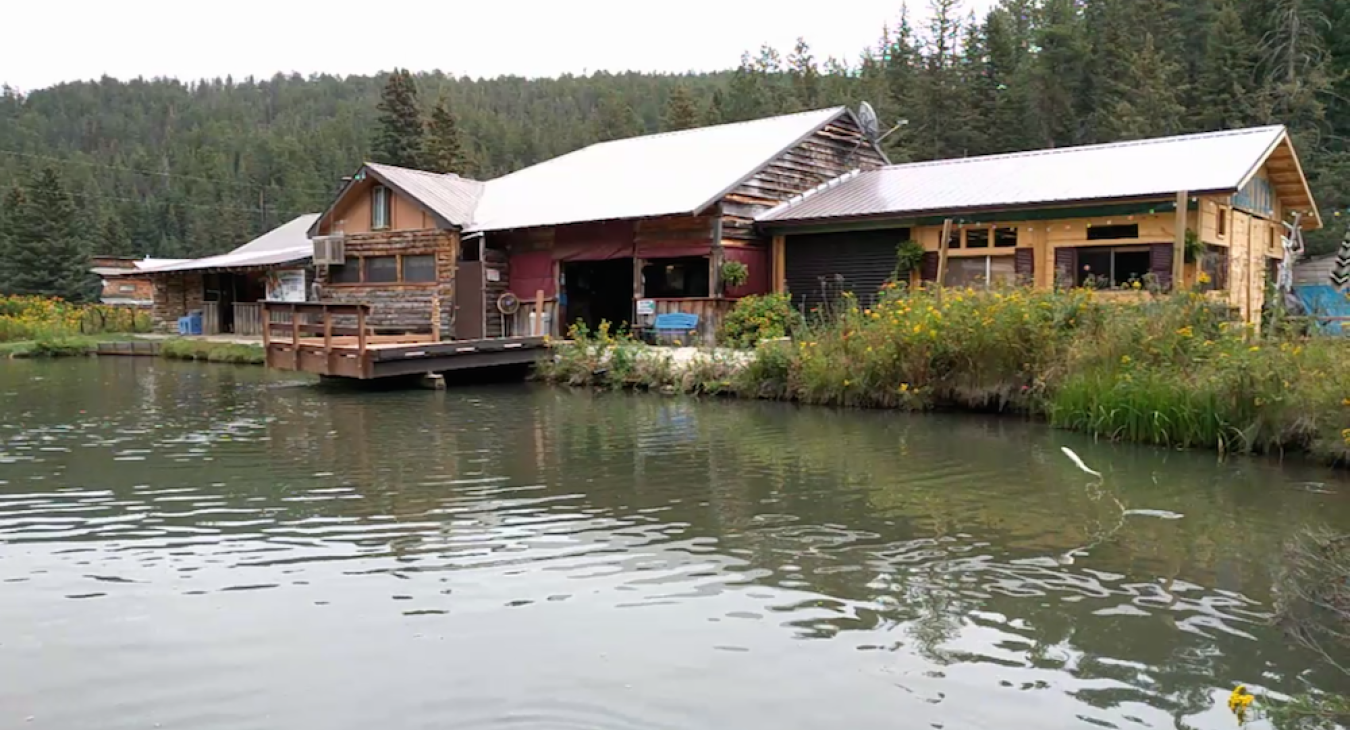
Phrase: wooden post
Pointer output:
(267, 327)
(436, 317)
(942, 255)
(1179, 240)
(327, 331)
(779, 264)
(537, 329)
(295, 337)
(361, 330)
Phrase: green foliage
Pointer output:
(222, 352)
(45, 250)
(615, 119)
(60, 346)
(1195, 248)
(682, 111)
(45, 318)
(445, 151)
(908, 256)
(399, 138)
(734, 274)
(757, 318)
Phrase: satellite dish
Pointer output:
(508, 303)
(870, 123)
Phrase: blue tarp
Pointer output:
(1324, 300)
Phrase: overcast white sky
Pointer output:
(51, 41)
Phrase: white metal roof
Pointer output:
(659, 174)
(281, 245)
(450, 196)
(1198, 163)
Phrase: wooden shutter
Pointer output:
(1066, 265)
(928, 271)
(1024, 265)
(1160, 263)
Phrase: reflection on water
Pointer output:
(209, 547)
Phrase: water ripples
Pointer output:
(519, 558)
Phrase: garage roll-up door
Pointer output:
(823, 266)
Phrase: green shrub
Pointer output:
(734, 274)
(757, 318)
(222, 352)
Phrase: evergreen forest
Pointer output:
(177, 168)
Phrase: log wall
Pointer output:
(400, 307)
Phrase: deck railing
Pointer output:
(248, 318)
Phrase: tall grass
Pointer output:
(222, 352)
(25, 318)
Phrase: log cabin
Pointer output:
(1105, 216)
(621, 231)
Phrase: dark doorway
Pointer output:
(599, 290)
(469, 311)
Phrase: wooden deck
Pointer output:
(333, 340)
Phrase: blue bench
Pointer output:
(675, 326)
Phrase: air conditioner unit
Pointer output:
(329, 250)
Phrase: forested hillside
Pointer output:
(172, 168)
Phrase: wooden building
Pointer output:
(619, 231)
(1102, 215)
(229, 289)
(121, 281)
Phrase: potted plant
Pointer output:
(734, 274)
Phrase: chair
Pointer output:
(675, 326)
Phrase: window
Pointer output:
(380, 208)
(981, 271)
(380, 269)
(1111, 233)
(344, 274)
(1005, 237)
(127, 288)
(954, 238)
(419, 269)
(977, 238)
(675, 278)
(1215, 265)
(1275, 242)
(1221, 226)
(1103, 267)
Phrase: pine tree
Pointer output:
(1227, 85)
(940, 133)
(46, 252)
(399, 136)
(444, 143)
(681, 110)
(1148, 104)
(14, 201)
(615, 119)
(805, 76)
(1008, 73)
(113, 239)
(1057, 85)
(714, 114)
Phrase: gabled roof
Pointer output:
(285, 244)
(655, 175)
(448, 197)
(1211, 163)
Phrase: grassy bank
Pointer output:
(1171, 371)
(65, 346)
(222, 352)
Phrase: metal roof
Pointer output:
(1198, 163)
(281, 245)
(449, 196)
(655, 175)
(137, 266)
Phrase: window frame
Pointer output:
(1111, 252)
(993, 253)
(400, 281)
(1221, 222)
(381, 201)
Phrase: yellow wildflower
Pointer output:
(847, 383)
(1239, 701)
(1345, 402)
(1203, 278)
(1186, 331)
(1254, 348)
(904, 387)
(1136, 284)
(1126, 359)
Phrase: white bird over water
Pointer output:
(1075, 459)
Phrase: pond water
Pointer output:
(205, 546)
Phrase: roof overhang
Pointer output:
(1287, 177)
(1043, 210)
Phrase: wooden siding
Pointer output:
(493, 321)
(351, 215)
(836, 149)
(401, 307)
(823, 266)
(175, 296)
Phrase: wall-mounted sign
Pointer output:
(646, 307)
(493, 275)
(286, 286)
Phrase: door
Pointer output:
(469, 311)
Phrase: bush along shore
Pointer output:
(173, 349)
(1170, 370)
